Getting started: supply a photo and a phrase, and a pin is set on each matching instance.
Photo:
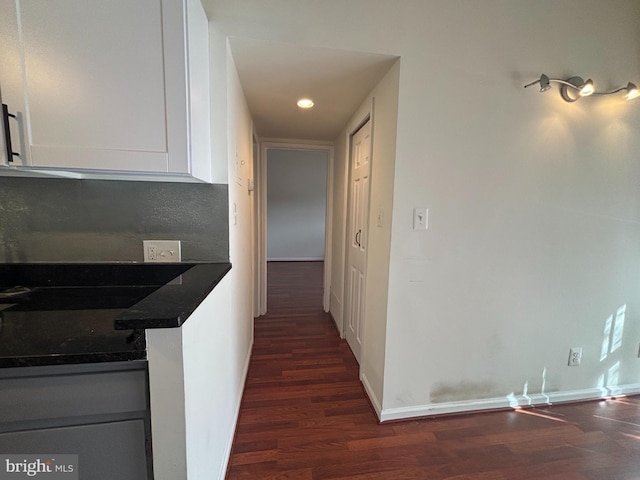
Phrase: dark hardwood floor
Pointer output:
(294, 289)
(304, 415)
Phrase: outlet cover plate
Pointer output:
(162, 251)
(575, 356)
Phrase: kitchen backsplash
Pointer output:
(69, 220)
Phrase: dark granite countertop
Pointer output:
(86, 313)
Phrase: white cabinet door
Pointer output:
(97, 84)
(11, 80)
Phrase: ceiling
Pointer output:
(275, 75)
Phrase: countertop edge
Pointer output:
(168, 307)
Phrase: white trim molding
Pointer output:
(296, 259)
(502, 403)
(377, 406)
(261, 234)
(227, 451)
(335, 309)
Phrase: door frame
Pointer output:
(359, 121)
(261, 233)
(254, 190)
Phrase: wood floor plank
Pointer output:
(305, 416)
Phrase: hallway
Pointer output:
(304, 415)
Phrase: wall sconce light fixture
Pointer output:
(632, 91)
(574, 88)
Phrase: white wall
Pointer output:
(296, 204)
(534, 235)
(216, 357)
(196, 375)
(533, 206)
(220, 347)
(167, 403)
(382, 106)
(197, 372)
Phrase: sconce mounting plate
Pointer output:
(577, 82)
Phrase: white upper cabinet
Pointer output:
(116, 86)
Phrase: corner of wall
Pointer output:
(167, 399)
(376, 402)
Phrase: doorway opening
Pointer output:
(294, 210)
(296, 205)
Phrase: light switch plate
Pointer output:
(162, 251)
(420, 218)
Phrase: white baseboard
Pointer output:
(335, 308)
(296, 259)
(512, 401)
(227, 454)
(377, 406)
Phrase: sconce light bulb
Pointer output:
(544, 83)
(587, 88)
(632, 91)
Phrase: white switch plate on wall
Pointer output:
(162, 251)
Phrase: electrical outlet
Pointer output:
(162, 251)
(575, 356)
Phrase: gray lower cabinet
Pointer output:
(99, 412)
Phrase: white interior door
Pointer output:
(359, 183)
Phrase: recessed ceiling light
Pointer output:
(305, 103)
